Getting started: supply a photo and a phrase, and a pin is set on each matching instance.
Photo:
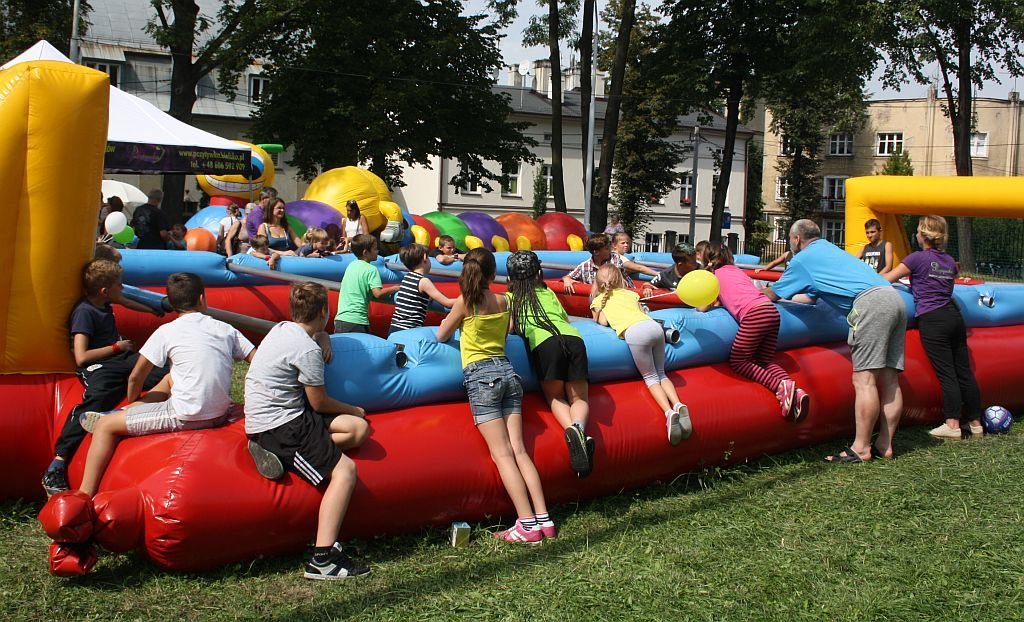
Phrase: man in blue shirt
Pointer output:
(878, 322)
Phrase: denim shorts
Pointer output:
(493, 389)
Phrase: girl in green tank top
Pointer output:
(495, 394)
(558, 354)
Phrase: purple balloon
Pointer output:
(311, 213)
(484, 227)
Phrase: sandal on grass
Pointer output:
(846, 456)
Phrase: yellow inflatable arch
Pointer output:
(887, 197)
(53, 131)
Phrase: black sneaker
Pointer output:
(336, 567)
(591, 446)
(576, 442)
(267, 463)
(55, 481)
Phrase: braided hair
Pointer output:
(608, 278)
(524, 279)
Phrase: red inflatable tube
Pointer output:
(203, 504)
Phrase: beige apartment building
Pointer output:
(917, 127)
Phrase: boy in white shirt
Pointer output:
(194, 395)
(291, 420)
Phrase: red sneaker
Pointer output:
(785, 394)
(520, 535)
(548, 529)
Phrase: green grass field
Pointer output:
(934, 535)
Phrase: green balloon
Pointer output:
(450, 224)
(297, 225)
(125, 235)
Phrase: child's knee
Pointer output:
(344, 471)
(360, 430)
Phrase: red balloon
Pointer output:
(199, 239)
(71, 560)
(557, 229)
(68, 517)
(230, 201)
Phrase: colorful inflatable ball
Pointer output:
(423, 231)
(562, 232)
(115, 222)
(450, 224)
(208, 218)
(698, 288)
(486, 229)
(226, 201)
(124, 236)
(200, 239)
(255, 219)
(338, 185)
(524, 234)
(241, 186)
(312, 214)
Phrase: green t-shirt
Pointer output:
(356, 288)
(531, 330)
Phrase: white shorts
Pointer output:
(159, 417)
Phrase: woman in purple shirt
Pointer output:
(943, 333)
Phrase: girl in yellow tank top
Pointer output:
(495, 394)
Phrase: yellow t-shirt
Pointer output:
(622, 309)
(483, 337)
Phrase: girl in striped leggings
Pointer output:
(754, 348)
(618, 307)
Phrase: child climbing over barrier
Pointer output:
(102, 358)
(753, 349)
(495, 395)
(415, 291)
(615, 306)
(293, 424)
(194, 395)
(943, 333)
(600, 247)
(317, 243)
(361, 281)
(557, 352)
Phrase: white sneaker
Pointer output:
(946, 433)
(675, 430)
(89, 420)
(684, 420)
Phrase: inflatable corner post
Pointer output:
(338, 185)
(241, 187)
(53, 131)
(887, 197)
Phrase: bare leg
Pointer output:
(892, 409)
(109, 430)
(866, 407)
(579, 401)
(658, 391)
(514, 424)
(160, 392)
(670, 392)
(554, 393)
(496, 435)
(349, 431)
(334, 505)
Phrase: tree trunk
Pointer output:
(184, 78)
(557, 178)
(586, 68)
(962, 124)
(599, 204)
(732, 120)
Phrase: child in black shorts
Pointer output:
(292, 423)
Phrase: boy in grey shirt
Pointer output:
(293, 424)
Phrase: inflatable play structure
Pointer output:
(193, 500)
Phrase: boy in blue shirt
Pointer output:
(103, 359)
(361, 281)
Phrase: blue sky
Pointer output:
(514, 52)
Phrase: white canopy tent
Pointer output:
(143, 139)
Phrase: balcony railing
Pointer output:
(830, 204)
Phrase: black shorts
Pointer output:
(552, 363)
(341, 326)
(304, 445)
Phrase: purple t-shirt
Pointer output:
(932, 273)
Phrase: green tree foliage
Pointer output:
(756, 228)
(351, 88)
(898, 164)
(540, 192)
(645, 160)
(971, 42)
(24, 22)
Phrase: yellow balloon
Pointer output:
(698, 288)
(336, 186)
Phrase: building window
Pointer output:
(781, 188)
(834, 194)
(511, 188)
(840, 144)
(258, 86)
(652, 243)
(545, 172)
(779, 227)
(889, 143)
(113, 70)
(785, 148)
(834, 231)
(979, 145)
(276, 159)
(686, 189)
(547, 138)
(470, 187)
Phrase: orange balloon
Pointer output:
(522, 226)
(200, 239)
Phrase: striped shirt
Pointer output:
(410, 303)
(587, 271)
